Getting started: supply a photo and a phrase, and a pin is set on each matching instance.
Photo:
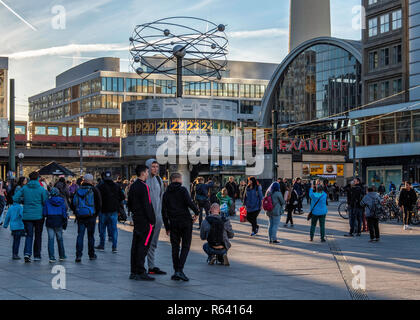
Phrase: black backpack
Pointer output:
(217, 228)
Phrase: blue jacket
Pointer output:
(33, 198)
(253, 199)
(321, 207)
(55, 210)
(14, 216)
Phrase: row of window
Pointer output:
(401, 127)
(383, 89)
(68, 131)
(385, 57)
(384, 25)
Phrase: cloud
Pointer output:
(200, 5)
(272, 32)
(67, 49)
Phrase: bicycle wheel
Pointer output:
(415, 219)
(343, 210)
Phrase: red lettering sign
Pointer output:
(334, 145)
(325, 145)
(344, 145)
(303, 145)
(283, 145)
(293, 145)
(313, 145)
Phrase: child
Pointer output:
(55, 210)
(14, 216)
(225, 202)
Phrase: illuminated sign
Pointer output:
(316, 169)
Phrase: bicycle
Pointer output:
(343, 210)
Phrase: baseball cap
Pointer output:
(88, 177)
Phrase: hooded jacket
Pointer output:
(176, 204)
(227, 232)
(33, 198)
(111, 196)
(253, 199)
(320, 208)
(368, 201)
(55, 211)
(14, 217)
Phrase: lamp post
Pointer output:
(353, 142)
(274, 145)
(81, 127)
(21, 155)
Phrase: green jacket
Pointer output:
(223, 200)
(33, 198)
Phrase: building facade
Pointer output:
(313, 90)
(388, 125)
(4, 66)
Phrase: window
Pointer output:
(396, 20)
(40, 130)
(396, 54)
(53, 131)
(118, 132)
(387, 130)
(78, 131)
(371, 2)
(372, 132)
(93, 132)
(385, 89)
(384, 23)
(104, 132)
(108, 84)
(70, 131)
(416, 125)
(373, 60)
(20, 130)
(373, 27)
(373, 92)
(109, 132)
(403, 127)
(64, 131)
(384, 57)
(397, 86)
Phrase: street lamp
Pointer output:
(81, 127)
(21, 155)
(353, 142)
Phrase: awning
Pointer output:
(54, 169)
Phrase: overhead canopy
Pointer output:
(53, 168)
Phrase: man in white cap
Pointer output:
(156, 193)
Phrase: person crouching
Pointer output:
(217, 230)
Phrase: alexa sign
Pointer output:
(313, 145)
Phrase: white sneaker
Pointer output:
(405, 227)
(408, 227)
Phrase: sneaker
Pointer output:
(156, 270)
(16, 257)
(323, 240)
(63, 258)
(408, 227)
(53, 260)
(143, 277)
(175, 276)
(311, 239)
(253, 234)
(226, 260)
(182, 276)
(93, 257)
(359, 234)
(275, 241)
(372, 240)
(212, 260)
(37, 258)
(114, 250)
(377, 239)
(100, 248)
(78, 259)
(292, 225)
(27, 259)
(349, 235)
(270, 242)
(285, 226)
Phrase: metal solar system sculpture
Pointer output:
(179, 45)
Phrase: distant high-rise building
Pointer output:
(3, 86)
(308, 20)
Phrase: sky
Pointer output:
(44, 38)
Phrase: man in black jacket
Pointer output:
(233, 191)
(407, 201)
(178, 222)
(82, 202)
(144, 219)
(356, 209)
(112, 196)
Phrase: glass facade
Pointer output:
(323, 80)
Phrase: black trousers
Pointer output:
(181, 235)
(142, 236)
(373, 225)
(290, 209)
(203, 204)
(407, 215)
(252, 219)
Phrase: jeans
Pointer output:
(108, 220)
(17, 234)
(211, 252)
(203, 205)
(55, 233)
(82, 225)
(33, 228)
(356, 216)
(273, 226)
(373, 225)
(321, 225)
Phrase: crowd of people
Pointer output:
(154, 204)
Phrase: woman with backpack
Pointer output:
(253, 202)
(225, 202)
(291, 199)
(275, 200)
(370, 202)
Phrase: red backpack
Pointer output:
(268, 203)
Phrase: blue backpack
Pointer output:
(84, 202)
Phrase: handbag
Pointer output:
(310, 213)
(242, 214)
